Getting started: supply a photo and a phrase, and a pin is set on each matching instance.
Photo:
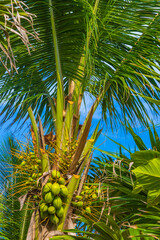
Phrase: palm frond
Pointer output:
(14, 223)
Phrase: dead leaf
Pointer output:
(31, 229)
(49, 138)
(22, 200)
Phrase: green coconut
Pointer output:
(55, 189)
(35, 197)
(60, 212)
(88, 210)
(61, 180)
(82, 193)
(54, 219)
(74, 204)
(48, 197)
(57, 203)
(51, 210)
(47, 188)
(63, 191)
(34, 175)
(38, 160)
(80, 204)
(43, 207)
(79, 197)
(94, 196)
(35, 167)
(23, 163)
(86, 188)
(98, 191)
(55, 174)
(32, 155)
(30, 179)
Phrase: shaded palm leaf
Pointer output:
(13, 223)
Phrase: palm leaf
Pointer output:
(12, 217)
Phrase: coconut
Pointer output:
(34, 175)
(56, 174)
(54, 219)
(30, 179)
(51, 210)
(86, 188)
(47, 188)
(55, 189)
(38, 160)
(82, 193)
(80, 204)
(63, 190)
(43, 207)
(88, 210)
(94, 196)
(60, 212)
(61, 180)
(23, 163)
(35, 167)
(74, 204)
(79, 197)
(57, 203)
(48, 197)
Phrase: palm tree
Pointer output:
(109, 49)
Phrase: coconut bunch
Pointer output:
(54, 194)
(86, 200)
(30, 164)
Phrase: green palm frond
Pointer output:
(133, 209)
(129, 210)
(13, 223)
(117, 45)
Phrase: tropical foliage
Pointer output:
(13, 222)
(134, 207)
(110, 50)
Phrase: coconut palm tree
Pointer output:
(106, 48)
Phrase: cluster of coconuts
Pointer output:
(54, 195)
(87, 197)
(34, 169)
